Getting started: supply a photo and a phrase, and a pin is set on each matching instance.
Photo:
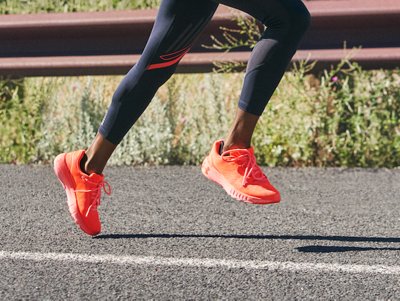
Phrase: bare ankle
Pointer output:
(89, 168)
(231, 145)
(98, 154)
(86, 165)
(82, 164)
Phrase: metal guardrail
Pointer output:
(111, 42)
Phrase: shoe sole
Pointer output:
(64, 176)
(212, 174)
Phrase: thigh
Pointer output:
(179, 22)
(269, 12)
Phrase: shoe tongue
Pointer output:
(96, 177)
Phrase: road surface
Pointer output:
(171, 234)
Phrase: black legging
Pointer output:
(177, 25)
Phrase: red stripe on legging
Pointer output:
(173, 55)
(167, 64)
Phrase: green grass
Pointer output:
(351, 120)
(45, 6)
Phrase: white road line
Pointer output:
(203, 263)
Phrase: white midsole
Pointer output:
(215, 176)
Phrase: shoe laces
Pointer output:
(244, 158)
(95, 192)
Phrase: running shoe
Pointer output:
(237, 172)
(83, 191)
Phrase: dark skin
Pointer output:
(239, 136)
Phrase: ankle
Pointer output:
(234, 144)
(86, 165)
(82, 164)
(91, 168)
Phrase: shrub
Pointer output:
(47, 6)
(20, 119)
(344, 116)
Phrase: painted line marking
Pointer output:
(204, 263)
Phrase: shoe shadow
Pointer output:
(243, 236)
(303, 249)
(341, 249)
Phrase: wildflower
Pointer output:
(183, 120)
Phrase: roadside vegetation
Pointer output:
(60, 6)
(344, 116)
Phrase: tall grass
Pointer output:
(177, 128)
(21, 117)
(344, 117)
(46, 6)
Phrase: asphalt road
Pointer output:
(169, 233)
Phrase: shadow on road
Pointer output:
(243, 236)
(304, 249)
(338, 249)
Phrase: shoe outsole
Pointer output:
(60, 168)
(212, 174)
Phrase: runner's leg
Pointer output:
(177, 25)
(233, 165)
(286, 21)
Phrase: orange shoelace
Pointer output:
(245, 158)
(95, 193)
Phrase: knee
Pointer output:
(292, 19)
(300, 19)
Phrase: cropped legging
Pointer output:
(177, 25)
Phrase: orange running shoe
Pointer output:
(237, 172)
(83, 191)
